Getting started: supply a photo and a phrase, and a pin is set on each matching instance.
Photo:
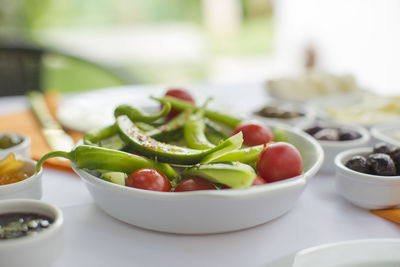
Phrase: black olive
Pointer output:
(327, 134)
(345, 135)
(381, 148)
(395, 155)
(313, 130)
(381, 164)
(358, 164)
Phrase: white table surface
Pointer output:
(93, 238)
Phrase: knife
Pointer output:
(53, 132)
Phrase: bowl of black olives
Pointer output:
(335, 138)
(369, 177)
(284, 112)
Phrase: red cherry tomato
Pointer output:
(259, 181)
(279, 161)
(254, 133)
(181, 94)
(148, 179)
(192, 184)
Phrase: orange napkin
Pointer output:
(25, 122)
(389, 214)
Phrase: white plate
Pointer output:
(362, 108)
(388, 132)
(94, 109)
(367, 252)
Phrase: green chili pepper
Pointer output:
(106, 137)
(171, 126)
(137, 115)
(245, 155)
(194, 131)
(213, 115)
(143, 144)
(93, 157)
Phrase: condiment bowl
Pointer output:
(22, 149)
(365, 190)
(207, 211)
(388, 132)
(332, 148)
(30, 187)
(35, 250)
(307, 112)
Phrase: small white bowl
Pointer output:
(307, 110)
(30, 187)
(23, 149)
(207, 211)
(332, 148)
(363, 252)
(365, 190)
(36, 250)
(388, 132)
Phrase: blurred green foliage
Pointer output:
(23, 19)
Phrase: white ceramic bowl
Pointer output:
(23, 149)
(307, 110)
(332, 148)
(365, 190)
(363, 252)
(31, 187)
(208, 211)
(388, 132)
(37, 250)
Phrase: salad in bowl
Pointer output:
(188, 169)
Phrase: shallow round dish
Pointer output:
(332, 148)
(30, 187)
(381, 252)
(36, 250)
(23, 149)
(365, 190)
(307, 111)
(388, 132)
(208, 211)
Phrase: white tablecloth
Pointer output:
(93, 238)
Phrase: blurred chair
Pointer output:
(25, 68)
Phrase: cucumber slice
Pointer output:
(115, 177)
(232, 174)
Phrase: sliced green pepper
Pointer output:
(232, 174)
(106, 137)
(171, 126)
(213, 115)
(143, 144)
(244, 155)
(194, 131)
(137, 115)
(93, 157)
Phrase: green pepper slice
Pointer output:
(194, 131)
(232, 174)
(94, 157)
(137, 115)
(140, 142)
(213, 115)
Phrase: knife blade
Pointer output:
(53, 132)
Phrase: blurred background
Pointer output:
(81, 45)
